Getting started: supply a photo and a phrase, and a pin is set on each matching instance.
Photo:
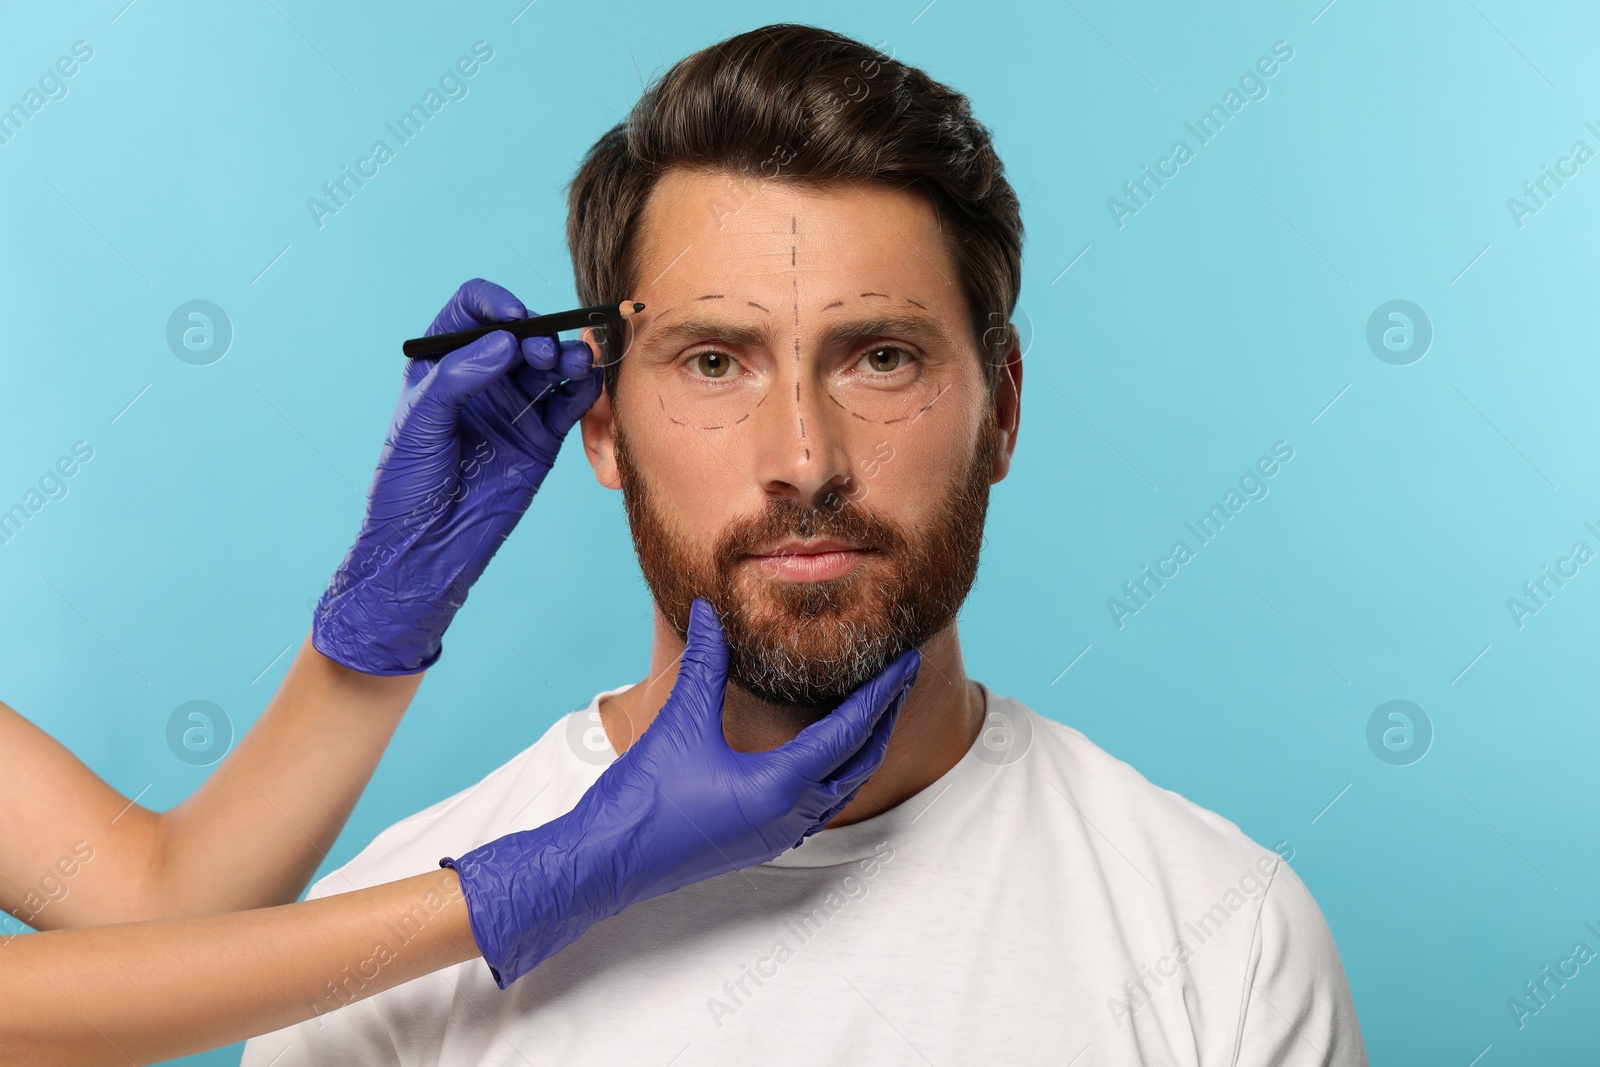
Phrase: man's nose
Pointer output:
(802, 440)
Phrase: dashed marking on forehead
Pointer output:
(795, 289)
(793, 260)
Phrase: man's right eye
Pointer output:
(711, 363)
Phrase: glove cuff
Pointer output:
(344, 630)
(525, 898)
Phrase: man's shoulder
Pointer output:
(1186, 879)
(534, 786)
(1126, 810)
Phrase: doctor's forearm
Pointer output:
(149, 991)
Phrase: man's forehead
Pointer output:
(705, 230)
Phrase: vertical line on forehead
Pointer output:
(793, 261)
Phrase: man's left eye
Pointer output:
(886, 358)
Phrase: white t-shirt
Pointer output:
(1040, 903)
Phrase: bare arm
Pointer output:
(74, 853)
(140, 992)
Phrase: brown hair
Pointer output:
(798, 103)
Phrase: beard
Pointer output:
(808, 645)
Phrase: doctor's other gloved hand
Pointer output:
(677, 807)
(471, 440)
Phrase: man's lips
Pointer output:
(809, 561)
(809, 548)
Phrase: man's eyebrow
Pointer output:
(669, 335)
(910, 325)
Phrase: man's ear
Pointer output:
(1008, 408)
(598, 442)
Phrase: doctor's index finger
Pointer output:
(826, 744)
(478, 302)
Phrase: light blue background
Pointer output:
(1226, 315)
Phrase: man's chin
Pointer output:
(806, 661)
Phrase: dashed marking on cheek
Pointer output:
(712, 296)
(884, 295)
(671, 418)
(663, 402)
(833, 398)
(741, 418)
(923, 410)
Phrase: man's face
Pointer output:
(804, 372)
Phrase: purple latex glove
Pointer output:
(472, 438)
(677, 807)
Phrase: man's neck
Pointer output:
(939, 721)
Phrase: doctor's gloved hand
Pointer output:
(677, 807)
(471, 440)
